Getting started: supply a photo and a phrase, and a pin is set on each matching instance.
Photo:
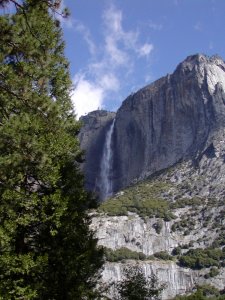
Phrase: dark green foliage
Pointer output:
(124, 253)
(184, 202)
(135, 286)
(158, 226)
(177, 251)
(163, 255)
(202, 258)
(54, 5)
(46, 248)
(186, 223)
(212, 273)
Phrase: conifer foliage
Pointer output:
(47, 250)
(135, 285)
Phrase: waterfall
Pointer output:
(106, 165)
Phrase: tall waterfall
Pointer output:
(106, 165)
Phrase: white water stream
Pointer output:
(106, 165)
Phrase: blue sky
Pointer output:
(116, 47)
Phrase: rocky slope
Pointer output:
(140, 229)
(163, 156)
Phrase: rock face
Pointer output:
(170, 120)
(138, 234)
(178, 280)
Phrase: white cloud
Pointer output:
(109, 82)
(113, 19)
(116, 55)
(111, 62)
(145, 50)
(86, 97)
(89, 95)
(118, 42)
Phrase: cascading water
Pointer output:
(106, 165)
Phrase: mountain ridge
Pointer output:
(172, 119)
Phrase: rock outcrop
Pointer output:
(168, 147)
(170, 120)
(138, 234)
(198, 223)
(178, 280)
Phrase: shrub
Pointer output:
(158, 226)
(163, 255)
(177, 251)
(122, 254)
(202, 258)
(212, 273)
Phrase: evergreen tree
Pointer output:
(47, 250)
(135, 286)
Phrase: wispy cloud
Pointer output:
(146, 49)
(110, 62)
(84, 31)
(110, 82)
(155, 26)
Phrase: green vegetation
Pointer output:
(204, 292)
(177, 251)
(202, 258)
(186, 224)
(135, 286)
(148, 199)
(212, 273)
(143, 199)
(158, 226)
(124, 253)
(47, 250)
(163, 255)
(183, 202)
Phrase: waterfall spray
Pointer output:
(106, 165)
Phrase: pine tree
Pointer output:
(47, 250)
(135, 286)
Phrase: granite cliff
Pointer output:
(170, 120)
(161, 160)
